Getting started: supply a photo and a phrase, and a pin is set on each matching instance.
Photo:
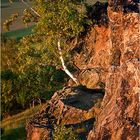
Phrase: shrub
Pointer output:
(25, 82)
(63, 133)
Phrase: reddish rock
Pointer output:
(119, 117)
(91, 56)
(109, 55)
(70, 107)
(39, 134)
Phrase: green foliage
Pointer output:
(39, 84)
(60, 19)
(14, 134)
(8, 54)
(8, 75)
(25, 79)
(37, 78)
(22, 89)
(35, 58)
(9, 91)
(28, 17)
(63, 133)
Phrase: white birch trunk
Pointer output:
(63, 64)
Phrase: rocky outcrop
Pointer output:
(119, 117)
(106, 56)
(91, 50)
(72, 107)
(91, 56)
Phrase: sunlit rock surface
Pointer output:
(108, 55)
(119, 117)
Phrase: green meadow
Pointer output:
(14, 126)
(18, 34)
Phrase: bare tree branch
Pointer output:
(31, 8)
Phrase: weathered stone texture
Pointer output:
(109, 55)
(119, 117)
(91, 56)
(72, 107)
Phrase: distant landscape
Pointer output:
(8, 9)
(18, 29)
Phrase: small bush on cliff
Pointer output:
(63, 133)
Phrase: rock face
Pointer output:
(106, 54)
(73, 107)
(119, 117)
(91, 51)
(91, 56)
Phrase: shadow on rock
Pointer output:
(83, 98)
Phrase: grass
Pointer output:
(14, 134)
(14, 126)
(18, 34)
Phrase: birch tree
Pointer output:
(58, 22)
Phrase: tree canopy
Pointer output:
(59, 19)
(38, 54)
